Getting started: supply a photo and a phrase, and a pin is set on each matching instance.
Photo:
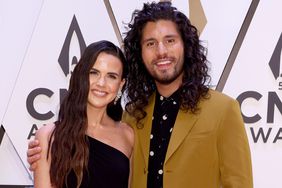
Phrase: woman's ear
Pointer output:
(122, 83)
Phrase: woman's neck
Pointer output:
(96, 117)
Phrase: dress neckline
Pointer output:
(107, 145)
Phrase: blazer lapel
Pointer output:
(144, 133)
(183, 124)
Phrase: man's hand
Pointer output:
(33, 154)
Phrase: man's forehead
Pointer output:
(160, 29)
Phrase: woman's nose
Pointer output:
(101, 81)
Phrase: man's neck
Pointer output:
(167, 90)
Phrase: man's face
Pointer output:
(163, 51)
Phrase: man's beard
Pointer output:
(167, 79)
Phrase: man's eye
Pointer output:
(150, 44)
(170, 41)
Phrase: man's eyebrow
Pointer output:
(166, 36)
(147, 40)
(171, 36)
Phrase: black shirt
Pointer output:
(165, 112)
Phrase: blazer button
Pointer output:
(145, 171)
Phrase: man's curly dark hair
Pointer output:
(140, 84)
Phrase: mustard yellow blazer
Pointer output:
(206, 150)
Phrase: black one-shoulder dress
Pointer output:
(107, 168)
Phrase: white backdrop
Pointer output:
(40, 42)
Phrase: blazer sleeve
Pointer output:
(234, 152)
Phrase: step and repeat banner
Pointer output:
(41, 42)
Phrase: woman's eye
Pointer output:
(112, 76)
(93, 72)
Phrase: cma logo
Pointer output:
(63, 60)
(274, 102)
(65, 64)
(275, 61)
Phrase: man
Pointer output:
(187, 135)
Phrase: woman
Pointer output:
(88, 146)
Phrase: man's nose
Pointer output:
(161, 49)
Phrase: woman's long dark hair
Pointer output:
(69, 148)
(140, 84)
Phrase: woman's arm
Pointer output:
(131, 138)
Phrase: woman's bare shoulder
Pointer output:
(128, 131)
(44, 132)
(126, 127)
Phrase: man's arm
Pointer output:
(41, 173)
(234, 151)
(33, 154)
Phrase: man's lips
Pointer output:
(163, 63)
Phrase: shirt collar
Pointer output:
(174, 98)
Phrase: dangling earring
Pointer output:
(117, 97)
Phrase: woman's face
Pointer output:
(105, 80)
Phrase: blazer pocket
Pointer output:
(200, 135)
